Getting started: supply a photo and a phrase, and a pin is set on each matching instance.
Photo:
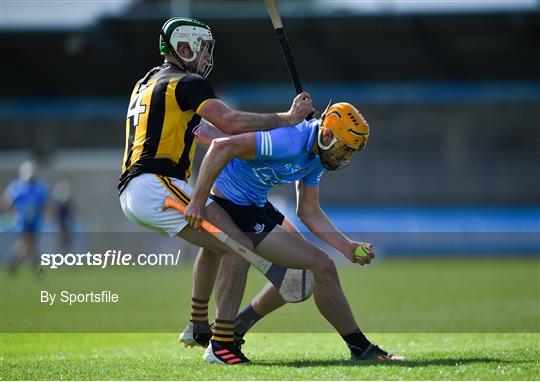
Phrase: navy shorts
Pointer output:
(255, 222)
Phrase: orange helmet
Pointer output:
(347, 124)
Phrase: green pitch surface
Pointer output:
(457, 319)
(276, 357)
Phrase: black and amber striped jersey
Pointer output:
(161, 117)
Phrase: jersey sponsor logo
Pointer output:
(295, 168)
(258, 227)
(267, 175)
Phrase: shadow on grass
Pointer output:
(407, 363)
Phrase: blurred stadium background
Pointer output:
(451, 91)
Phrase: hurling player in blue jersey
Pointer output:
(26, 197)
(240, 170)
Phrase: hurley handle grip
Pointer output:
(273, 12)
(177, 205)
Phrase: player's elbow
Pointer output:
(303, 214)
(307, 214)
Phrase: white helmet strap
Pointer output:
(193, 36)
(319, 141)
(319, 134)
(188, 59)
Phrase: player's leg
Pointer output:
(286, 249)
(268, 299)
(16, 254)
(290, 227)
(142, 202)
(278, 246)
(205, 271)
(205, 268)
(230, 284)
(24, 249)
(230, 289)
(31, 254)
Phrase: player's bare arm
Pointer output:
(221, 151)
(315, 219)
(206, 133)
(232, 121)
(5, 203)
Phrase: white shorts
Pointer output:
(142, 202)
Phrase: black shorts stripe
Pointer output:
(178, 190)
(173, 191)
(177, 195)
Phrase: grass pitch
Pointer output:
(432, 356)
(458, 319)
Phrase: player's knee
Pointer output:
(329, 267)
(324, 268)
(233, 261)
(216, 255)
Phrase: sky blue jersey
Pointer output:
(28, 201)
(283, 156)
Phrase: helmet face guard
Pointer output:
(205, 65)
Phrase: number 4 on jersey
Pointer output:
(136, 108)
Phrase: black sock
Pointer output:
(356, 341)
(245, 320)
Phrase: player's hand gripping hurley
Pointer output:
(294, 285)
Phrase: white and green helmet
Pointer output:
(193, 32)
